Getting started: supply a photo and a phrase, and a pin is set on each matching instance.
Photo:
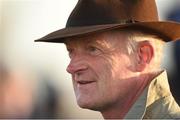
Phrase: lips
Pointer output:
(82, 81)
(85, 82)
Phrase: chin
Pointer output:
(84, 104)
(89, 105)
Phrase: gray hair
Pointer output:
(135, 36)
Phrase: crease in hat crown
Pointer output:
(91, 16)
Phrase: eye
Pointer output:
(93, 50)
(70, 52)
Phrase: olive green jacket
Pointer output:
(156, 102)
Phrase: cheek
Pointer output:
(103, 68)
(106, 74)
(109, 80)
(111, 69)
(116, 72)
(121, 67)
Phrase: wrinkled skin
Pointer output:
(102, 71)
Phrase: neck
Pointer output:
(119, 111)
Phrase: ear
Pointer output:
(145, 55)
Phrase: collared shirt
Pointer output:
(156, 101)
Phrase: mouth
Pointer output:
(85, 82)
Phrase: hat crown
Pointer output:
(99, 12)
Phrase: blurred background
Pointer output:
(33, 78)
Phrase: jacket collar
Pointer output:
(158, 88)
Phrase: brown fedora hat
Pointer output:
(90, 16)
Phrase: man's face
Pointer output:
(101, 70)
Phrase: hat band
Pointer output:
(75, 23)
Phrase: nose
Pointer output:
(76, 66)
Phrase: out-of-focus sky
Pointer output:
(23, 21)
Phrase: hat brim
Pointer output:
(169, 31)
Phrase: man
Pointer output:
(115, 47)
